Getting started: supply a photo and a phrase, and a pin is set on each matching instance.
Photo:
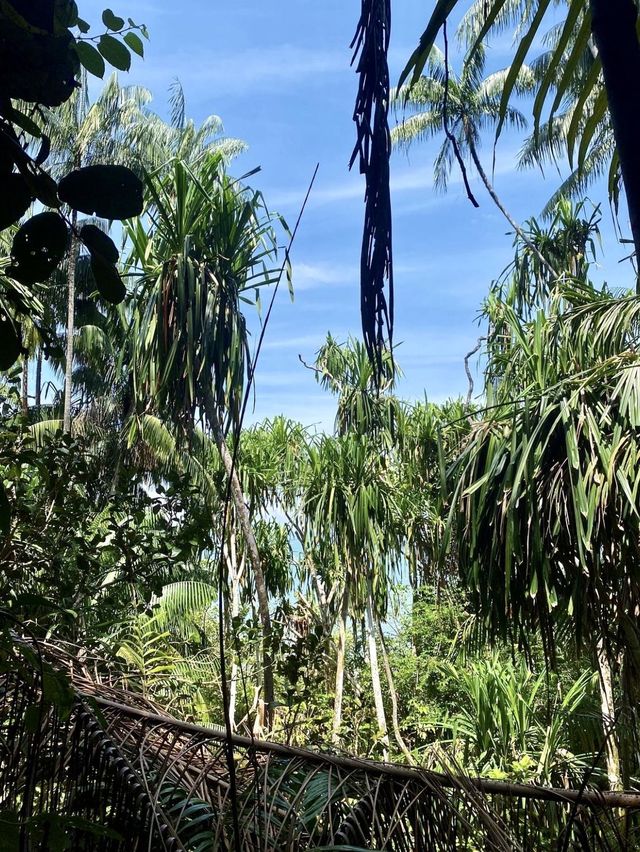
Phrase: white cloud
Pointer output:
(231, 74)
(309, 276)
(404, 180)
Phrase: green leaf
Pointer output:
(135, 43)
(83, 26)
(111, 21)
(518, 61)
(418, 58)
(115, 52)
(10, 342)
(90, 58)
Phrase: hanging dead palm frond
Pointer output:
(372, 150)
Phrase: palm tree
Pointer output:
(210, 246)
(157, 142)
(82, 134)
(580, 123)
(545, 488)
(350, 499)
(461, 108)
(610, 30)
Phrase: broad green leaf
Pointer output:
(115, 52)
(111, 21)
(135, 43)
(90, 58)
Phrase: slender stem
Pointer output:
(71, 301)
(468, 371)
(370, 622)
(496, 200)
(394, 700)
(38, 389)
(342, 648)
(24, 386)
(607, 707)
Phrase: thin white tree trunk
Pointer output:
(370, 626)
(394, 701)
(342, 649)
(71, 303)
(24, 389)
(236, 580)
(244, 520)
(607, 707)
(38, 391)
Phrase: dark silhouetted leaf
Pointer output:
(38, 247)
(44, 150)
(83, 26)
(111, 21)
(99, 244)
(115, 52)
(109, 192)
(42, 186)
(37, 13)
(108, 281)
(25, 123)
(10, 342)
(14, 200)
(88, 313)
(66, 14)
(9, 149)
(36, 67)
(90, 58)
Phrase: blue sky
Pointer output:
(278, 75)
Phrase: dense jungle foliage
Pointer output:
(449, 585)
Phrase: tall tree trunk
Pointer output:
(242, 514)
(71, 303)
(24, 386)
(607, 707)
(342, 650)
(394, 701)
(613, 24)
(235, 570)
(370, 627)
(38, 388)
(496, 200)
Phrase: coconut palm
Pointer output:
(211, 244)
(608, 28)
(460, 108)
(157, 142)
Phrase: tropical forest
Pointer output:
(320, 425)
